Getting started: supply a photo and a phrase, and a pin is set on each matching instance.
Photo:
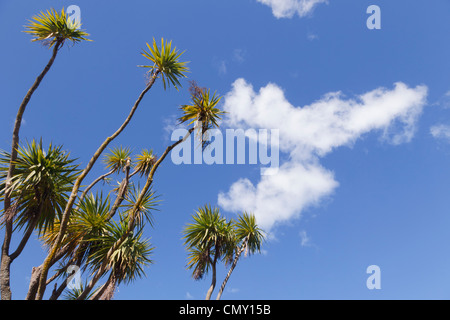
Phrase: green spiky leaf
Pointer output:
(52, 27)
(165, 61)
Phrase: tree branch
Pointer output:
(71, 201)
(148, 183)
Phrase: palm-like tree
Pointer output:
(89, 223)
(89, 237)
(144, 211)
(202, 112)
(88, 218)
(145, 162)
(118, 159)
(86, 224)
(207, 239)
(166, 63)
(199, 259)
(136, 212)
(108, 238)
(127, 261)
(79, 229)
(77, 291)
(54, 29)
(39, 185)
(38, 190)
(248, 239)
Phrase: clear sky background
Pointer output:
(364, 119)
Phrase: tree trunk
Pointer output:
(34, 282)
(110, 290)
(235, 261)
(213, 280)
(30, 228)
(7, 259)
(100, 272)
(5, 273)
(77, 184)
(106, 292)
(123, 187)
(5, 289)
(58, 290)
(5, 277)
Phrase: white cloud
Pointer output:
(189, 296)
(222, 67)
(288, 8)
(170, 124)
(280, 197)
(306, 134)
(239, 55)
(312, 36)
(440, 131)
(445, 100)
(305, 240)
(233, 290)
(327, 123)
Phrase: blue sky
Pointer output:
(364, 120)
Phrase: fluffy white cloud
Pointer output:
(288, 8)
(306, 134)
(440, 131)
(282, 196)
(329, 122)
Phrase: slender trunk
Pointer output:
(58, 291)
(18, 122)
(213, 280)
(144, 190)
(7, 260)
(97, 295)
(34, 282)
(73, 196)
(235, 261)
(100, 272)
(123, 187)
(110, 290)
(5, 274)
(28, 232)
(5, 265)
(107, 290)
